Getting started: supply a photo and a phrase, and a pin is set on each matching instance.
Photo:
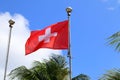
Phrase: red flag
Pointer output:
(54, 36)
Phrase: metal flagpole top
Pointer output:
(11, 22)
(68, 10)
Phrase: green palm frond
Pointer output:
(56, 67)
(114, 40)
(81, 77)
(20, 72)
(52, 69)
(115, 35)
(113, 74)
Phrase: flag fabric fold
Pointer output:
(54, 36)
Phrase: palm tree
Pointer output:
(53, 69)
(113, 74)
(114, 40)
(81, 77)
(56, 67)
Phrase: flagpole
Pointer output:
(11, 22)
(69, 10)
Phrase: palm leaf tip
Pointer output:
(113, 74)
(114, 40)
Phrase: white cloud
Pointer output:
(111, 5)
(20, 33)
(111, 8)
(104, 0)
(111, 1)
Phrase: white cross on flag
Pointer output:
(54, 36)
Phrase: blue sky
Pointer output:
(92, 22)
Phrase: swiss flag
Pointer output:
(54, 36)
